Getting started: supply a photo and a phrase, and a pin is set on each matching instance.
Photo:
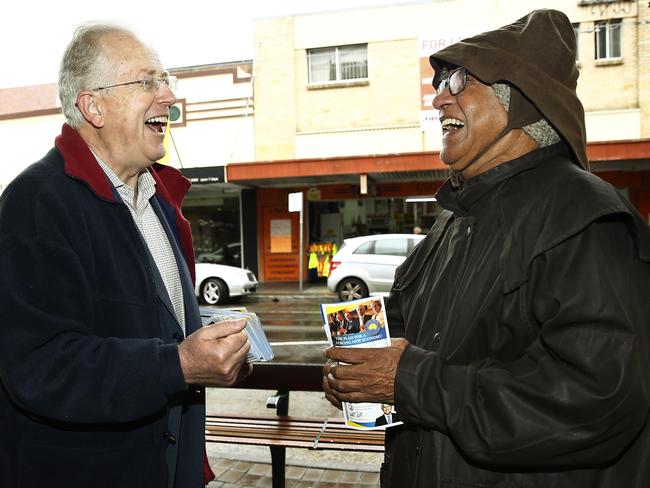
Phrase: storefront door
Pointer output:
(280, 235)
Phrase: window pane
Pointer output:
(392, 247)
(353, 62)
(366, 248)
(615, 38)
(322, 65)
(601, 40)
(412, 244)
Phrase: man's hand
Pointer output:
(329, 394)
(214, 354)
(367, 376)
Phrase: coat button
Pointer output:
(437, 338)
(170, 438)
(178, 337)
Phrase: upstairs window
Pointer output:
(608, 39)
(341, 63)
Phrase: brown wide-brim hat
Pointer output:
(536, 55)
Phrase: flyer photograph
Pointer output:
(360, 323)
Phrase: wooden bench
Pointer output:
(281, 430)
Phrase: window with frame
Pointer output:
(608, 38)
(340, 63)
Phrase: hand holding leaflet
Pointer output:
(360, 376)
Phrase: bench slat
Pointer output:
(288, 431)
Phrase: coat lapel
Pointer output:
(192, 316)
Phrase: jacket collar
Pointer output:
(80, 163)
(468, 198)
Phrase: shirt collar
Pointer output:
(146, 185)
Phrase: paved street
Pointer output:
(292, 323)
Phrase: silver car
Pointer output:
(366, 265)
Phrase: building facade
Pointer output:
(337, 106)
(343, 113)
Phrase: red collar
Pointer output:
(80, 163)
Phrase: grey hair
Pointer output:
(84, 66)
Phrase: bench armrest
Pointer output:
(279, 401)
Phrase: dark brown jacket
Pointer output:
(528, 312)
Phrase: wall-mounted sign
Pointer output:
(280, 235)
(295, 202)
(208, 174)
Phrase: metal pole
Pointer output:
(301, 251)
(415, 214)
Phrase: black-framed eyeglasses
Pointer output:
(456, 81)
(150, 84)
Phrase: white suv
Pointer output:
(366, 265)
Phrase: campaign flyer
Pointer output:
(360, 323)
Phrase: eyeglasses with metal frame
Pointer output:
(150, 84)
(456, 81)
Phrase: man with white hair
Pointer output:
(103, 358)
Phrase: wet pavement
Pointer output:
(292, 322)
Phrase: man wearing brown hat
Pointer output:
(525, 357)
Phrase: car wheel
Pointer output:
(352, 289)
(214, 291)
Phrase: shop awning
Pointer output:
(420, 166)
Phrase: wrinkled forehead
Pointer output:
(127, 55)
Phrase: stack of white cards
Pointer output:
(260, 347)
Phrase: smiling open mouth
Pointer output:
(450, 125)
(157, 124)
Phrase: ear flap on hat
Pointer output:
(521, 111)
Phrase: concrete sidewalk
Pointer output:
(240, 466)
(244, 474)
(249, 466)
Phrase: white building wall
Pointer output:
(25, 141)
(213, 142)
(218, 130)
(613, 125)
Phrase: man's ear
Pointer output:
(90, 108)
